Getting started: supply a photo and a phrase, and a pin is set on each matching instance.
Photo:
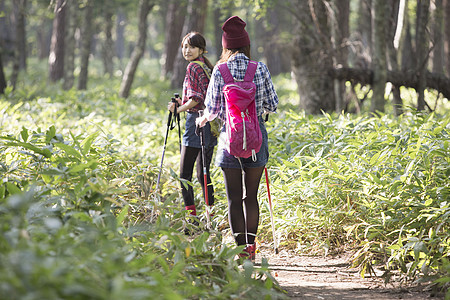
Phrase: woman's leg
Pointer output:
(209, 153)
(252, 178)
(188, 157)
(233, 186)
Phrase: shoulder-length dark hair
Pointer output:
(195, 39)
(227, 53)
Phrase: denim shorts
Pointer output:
(190, 139)
(226, 160)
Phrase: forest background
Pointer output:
(360, 144)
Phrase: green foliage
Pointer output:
(80, 218)
(378, 185)
(78, 212)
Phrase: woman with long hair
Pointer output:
(241, 175)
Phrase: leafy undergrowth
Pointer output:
(80, 216)
(378, 186)
(78, 223)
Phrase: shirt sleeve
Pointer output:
(270, 95)
(197, 83)
(214, 97)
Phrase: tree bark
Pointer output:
(56, 57)
(394, 31)
(174, 25)
(69, 57)
(340, 34)
(447, 35)
(423, 7)
(379, 55)
(437, 37)
(145, 6)
(120, 39)
(86, 42)
(2, 76)
(195, 21)
(20, 8)
(6, 40)
(312, 57)
(108, 45)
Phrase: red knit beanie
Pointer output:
(234, 34)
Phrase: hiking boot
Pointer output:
(249, 252)
(193, 228)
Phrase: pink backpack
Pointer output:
(243, 132)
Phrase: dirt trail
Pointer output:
(306, 277)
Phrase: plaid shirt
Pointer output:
(266, 98)
(195, 85)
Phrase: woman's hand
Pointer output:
(171, 106)
(201, 121)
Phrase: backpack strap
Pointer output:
(226, 74)
(249, 74)
(203, 65)
(251, 70)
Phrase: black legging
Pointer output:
(243, 225)
(189, 156)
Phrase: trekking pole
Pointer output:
(177, 118)
(271, 211)
(169, 127)
(205, 174)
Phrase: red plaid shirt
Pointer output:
(195, 85)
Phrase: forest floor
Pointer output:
(319, 277)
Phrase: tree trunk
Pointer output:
(20, 8)
(340, 33)
(43, 38)
(2, 76)
(56, 57)
(174, 25)
(379, 55)
(69, 57)
(423, 7)
(145, 6)
(6, 40)
(447, 35)
(108, 45)
(311, 58)
(195, 21)
(395, 27)
(86, 43)
(437, 37)
(363, 43)
(120, 39)
(276, 54)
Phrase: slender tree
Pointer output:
(108, 45)
(195, 21)
(447, 35)
(86, 44)
(120, 35)
(20, 8)
(145, 6)
(394, 30)
(423, 7)
(2, 76)
(56, 56)
(437, 30)
(379, 55)
(69, 57)
(174, 25)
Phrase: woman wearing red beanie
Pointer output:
(241, 175)
(194, 90)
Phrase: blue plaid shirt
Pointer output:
(266, 98)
